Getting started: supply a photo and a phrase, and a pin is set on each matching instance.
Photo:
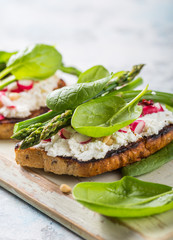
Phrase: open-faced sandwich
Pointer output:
(27, 77)
(97, 125)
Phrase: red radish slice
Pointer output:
(88, 139)
(2, 117)
(2, 94)
(146, 102)
(124, 129)
(120, 130)
(159, 107)
(25, 85)
(12, 106)
(82, 139)
(4, 90)
(149, 110)
(12, 87)
(47, 140)
(137, 126)
(64, 133)
(6, 101)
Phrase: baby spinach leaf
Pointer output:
(71, 96)
(105, 115)
(70, 70)
(150, 163)
(93, 74)
(4, 56)
(128, 197)
(36, 62)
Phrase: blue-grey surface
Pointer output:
(114, 33)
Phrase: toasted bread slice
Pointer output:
(133, 152)
(7, 124)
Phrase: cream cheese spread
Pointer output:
(96, 148)
(30, 100)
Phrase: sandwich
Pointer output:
(27, 77)
(98, 125)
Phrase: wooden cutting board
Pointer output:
(41, 190)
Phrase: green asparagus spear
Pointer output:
(20, 135)
(56, 124)
(32, 139)
(39, 119)
(122, 78)
(162, 97)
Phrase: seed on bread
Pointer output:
(108, 140)
(14, 96)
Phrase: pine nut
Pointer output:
(13, 96)
(65, 188)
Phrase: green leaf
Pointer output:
(71, 96)
(93, 74)
(105, 115)
(128, 197)
(70, 70)
(36, 62)
(150, 163)
(4, 56)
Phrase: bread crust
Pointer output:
(133, 152)
(7, 124)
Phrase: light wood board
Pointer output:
(41, 190)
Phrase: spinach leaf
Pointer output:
(93, 74)
(36, 62)
(150, 163)
(70, 70)
(105, 115)
(128, 197)
(4, 56)
(71, 96)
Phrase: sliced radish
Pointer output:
(12, 87)
(47, 140)
(87, 140)
(120, 130)
(124, 129)
(82, 139)
(4, 89)
(64, 133)
(149, 110)
(6, 101)
(25, 85)
(146, 102)
(2, 94)
(137, 126)
(159, 107)
(12, 106)
(2, 117)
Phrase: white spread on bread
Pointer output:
(96, 148)
(30, 100)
